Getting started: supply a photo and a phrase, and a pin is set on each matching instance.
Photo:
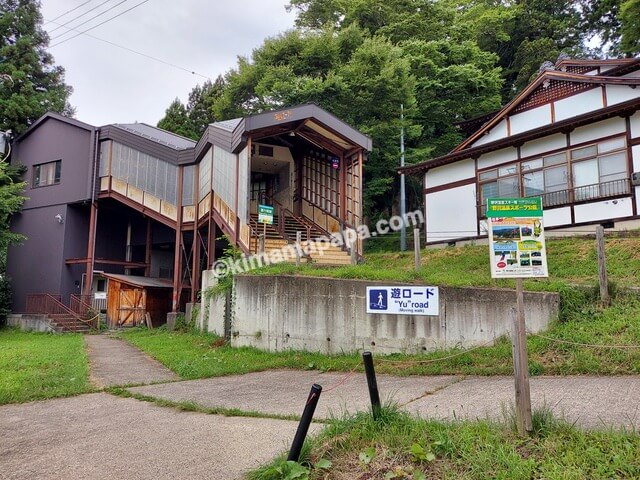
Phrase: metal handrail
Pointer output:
(281, 221)
(47, 304)
(582, 193)
(78, 304)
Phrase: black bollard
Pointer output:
(305, 422)
(367, 358)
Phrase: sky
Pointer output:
(112, 85)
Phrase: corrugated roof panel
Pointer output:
(228, 125)
(158, 135)
(140, 281)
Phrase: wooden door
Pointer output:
(132, 307)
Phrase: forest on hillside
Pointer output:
(444, 60)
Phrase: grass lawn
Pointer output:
(38, 366)
(399, 446)
(193, 355)
(571, 261)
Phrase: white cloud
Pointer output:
(113, 85)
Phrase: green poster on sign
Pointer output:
(514, 207)
(516, 238)
(265, 214)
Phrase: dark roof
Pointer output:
(549, 75)
(138, 281)
(620, 109)
(55, 116)
(308, 119)
(177, 142)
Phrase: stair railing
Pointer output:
(47, 304)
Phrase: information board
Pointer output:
(265, 214)
(516, 238)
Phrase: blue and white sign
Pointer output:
(404, 300)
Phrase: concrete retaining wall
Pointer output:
(328, 315)
(30, 323)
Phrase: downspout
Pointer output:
(93, 218)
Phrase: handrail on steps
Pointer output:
(48, 304)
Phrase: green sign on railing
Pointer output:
(514, 207)
(265, 214)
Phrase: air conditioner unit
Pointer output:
(635, 179)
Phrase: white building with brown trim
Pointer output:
(572, 136)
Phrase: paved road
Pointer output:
(590, 402)
(101, 436)
(114, 362)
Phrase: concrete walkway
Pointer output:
(590, 402)
(102, 436)
(114, 362)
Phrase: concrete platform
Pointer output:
(589, 402)
(284, 392)
(101, 436)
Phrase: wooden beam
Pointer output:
(147, 249)
(177, 254)
(91, 248)
(104, 261)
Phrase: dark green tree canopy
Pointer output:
(443, 60)
(191, 120)
(30, 83)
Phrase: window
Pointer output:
(47, 173)
(592, 171)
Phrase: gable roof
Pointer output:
(54, 116)
(545, 80)
(158, 135)
(619, 109)
(308, 120)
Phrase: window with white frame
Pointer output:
(591, 171)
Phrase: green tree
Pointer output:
(630, 27)
(200, 104)
(360, 78)
(176, 120)
(30, 83)
(11, 201)
(191, 120)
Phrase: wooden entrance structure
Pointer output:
(134, 300)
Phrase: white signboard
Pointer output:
(404, 300)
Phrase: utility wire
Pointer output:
(99, 24)
(77, 17)
(92, 18)
(68, 12)
(156, 59)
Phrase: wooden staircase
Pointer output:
(275, 240)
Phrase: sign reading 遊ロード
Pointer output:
(404, 300)
(516, 238)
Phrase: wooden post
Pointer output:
(521, 364)
(91, 249)
(353, 246)
(416, 248)
(147, 249)
(298, 247)
(602, 266)
(261, 244)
